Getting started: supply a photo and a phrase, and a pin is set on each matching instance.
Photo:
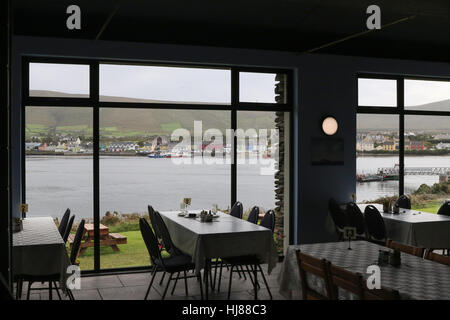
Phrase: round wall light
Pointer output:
(329, 126)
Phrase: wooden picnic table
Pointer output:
(106, 238)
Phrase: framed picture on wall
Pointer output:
(327, 151)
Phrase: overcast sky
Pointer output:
(211, 85)
(159, 83)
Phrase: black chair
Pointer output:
(253, 261)
(237, 210)
(403, 202)
(339, 217)
(68, 228)
(171, 265)
(268, 221)
(63, 224)
(52, 279)
(161, 231)
(254, 215)
(376, 229)
(445, 208)
(163, 235)
(356, 219)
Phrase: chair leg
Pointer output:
(255, 274)
(167, 287)
(175, 284)
(29, 289)
(57, 290)
(19, 289)
(265, 282)
(50, 290)
(185, 284)
(243, 272)
(150, 285)
(220, 276)
(229, 284)
(70, 294)
(250, 275)
(201, 285)
(216, 263)
(162, 278)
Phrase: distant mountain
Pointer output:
(140, 120)
(425, 123)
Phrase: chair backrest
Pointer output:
(356, 218)
(345, 280)
(337, 214)
(68, 228)
(63, 224)
(237, 210)
(254, 215)
(445, 208)
(374, 223)
(153, 221)
(165, 235)
(310, 265)
(383, 293)
(77, 242)
(439, 258)
(150, 241)
(403, 202)
(416, 251)
(268, 221)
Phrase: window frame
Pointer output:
(93, 101)
(399, 110)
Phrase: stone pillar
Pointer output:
(280, 97)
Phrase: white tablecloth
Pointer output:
(39, 250)
(416, 228)
(225, 237)
(415, 278)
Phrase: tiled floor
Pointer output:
(133, 287)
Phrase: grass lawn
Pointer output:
(132, 254)
(429, 207)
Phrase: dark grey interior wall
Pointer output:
(5, 47)
(324, 85)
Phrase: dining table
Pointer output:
(416, 228)
(39, 250)
(415, 278)
(225, 236)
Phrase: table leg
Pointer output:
(115, 247)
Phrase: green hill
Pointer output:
(135, 122)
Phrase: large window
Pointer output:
(404, 147)
(111, 139)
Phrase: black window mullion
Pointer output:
(234, 105)
(94, 98)
(401, 108)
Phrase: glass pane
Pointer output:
(260, 87)
(427, 161)
(377, 92)
(141, 165)
(427, 95)
(58, 166)
(377, 156)
(59, 80)
(261, 167)
(137, 83)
